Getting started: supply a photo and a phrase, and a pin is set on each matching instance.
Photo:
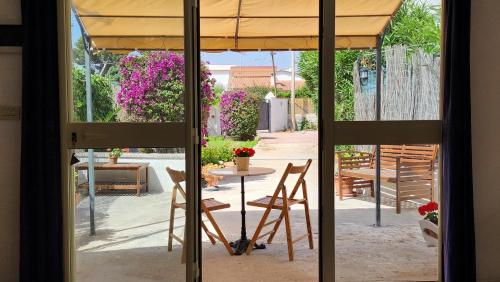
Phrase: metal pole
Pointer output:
(292, 94)
(90, 171)
(378, 109)
(243, 212)
(274, 74)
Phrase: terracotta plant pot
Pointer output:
(113, 160)
(242, 163)
(430, 232)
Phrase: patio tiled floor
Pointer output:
(132, 234)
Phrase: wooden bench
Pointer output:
(408, 168)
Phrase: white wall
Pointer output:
(221, 77)
(485, 86)
(10, 144)
(286, 75)
(278, 114)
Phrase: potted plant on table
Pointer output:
(429, 224)
(242, 158)
(114, 154)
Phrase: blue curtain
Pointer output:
(41, 254)
(458, 211)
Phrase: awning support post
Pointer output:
(292, 94)
(90, 162)
(88, 98)
(378, 118)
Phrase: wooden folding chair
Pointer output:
(354, 160)
(284, 203)
(207, 206)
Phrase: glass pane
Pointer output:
(404, 246)
(273, 152)
(263, 102)
(409, 69)
(126, 231)
(136, 62)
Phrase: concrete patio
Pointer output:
(132, 232)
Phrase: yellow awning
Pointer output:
(239, 25)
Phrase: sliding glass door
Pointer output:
(134, 117)
(381, 135)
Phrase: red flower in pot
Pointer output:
(429, 211)
(244, 152)
(242, 158)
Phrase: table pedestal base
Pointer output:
(240, 246)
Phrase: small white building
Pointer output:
(221, 74)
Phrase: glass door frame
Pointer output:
(186, 134)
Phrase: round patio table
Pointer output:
(241, 245)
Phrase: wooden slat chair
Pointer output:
(207, 206)
(389, 154)
(354, 160)
(284, 203)
(414, 166)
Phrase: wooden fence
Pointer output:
(410, 87)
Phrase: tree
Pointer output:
(103, 104)
(344, 98)
(102, 62)
(414, 25)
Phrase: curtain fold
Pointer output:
(458, 211)
(41, 254)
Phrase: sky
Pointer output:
(263, 58)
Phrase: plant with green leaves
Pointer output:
(213, 154)
(239, 115)
(103, 104)
(115, 153)
(305, 124)
(344, 98)
(218, 90)
(304, 92)
(103, 62)
(262, 91)
(414, 25)
(220, 149)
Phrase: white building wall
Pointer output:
(278, 114)
(221, 74)
(286, 75)
(221, 78)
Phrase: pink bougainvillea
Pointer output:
(239, 114)
(152, 87)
